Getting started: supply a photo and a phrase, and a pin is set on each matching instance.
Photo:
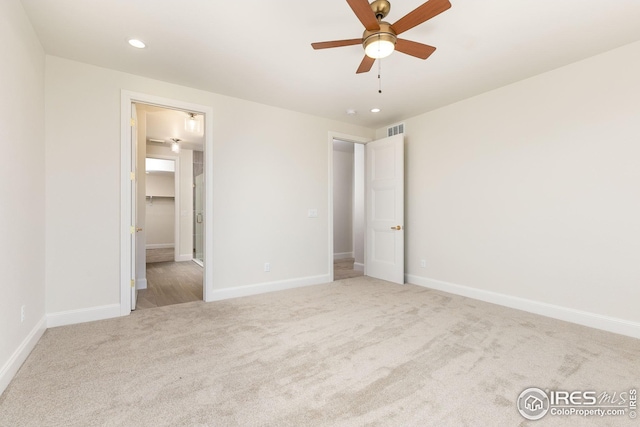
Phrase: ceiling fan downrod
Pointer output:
(380, 9)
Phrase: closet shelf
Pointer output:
(150, 198)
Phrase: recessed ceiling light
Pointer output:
(137, 43)
(375, 110)
(351, 112)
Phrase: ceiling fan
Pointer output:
(380, 38)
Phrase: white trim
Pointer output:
(125, 203)
(183, 258)
(141, 284)
(160, 246)
(71, 317)
(126, 99)
(343, 255)
(358, 266)
(261, 288)
(207, 230)
(11, 367)
(342, 137)
(584, 318)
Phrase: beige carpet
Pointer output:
(359, 352)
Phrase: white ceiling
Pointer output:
(260, 50)
(163, 124)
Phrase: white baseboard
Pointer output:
(584, 318)
(342, 255)
(160, 246)
(182, 258)
(11, 367)
(82, 315)
(141, 284)
(358, 266)
(261, 288)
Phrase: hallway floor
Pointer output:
(171, 283)
(343, 269)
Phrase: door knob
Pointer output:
(138, 229)
(397, 227)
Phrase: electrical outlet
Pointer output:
(22, 313)
(423, 263)
(267, 267)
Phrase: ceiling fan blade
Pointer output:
(419, 50)
(363, 11)
(365, 65)
(336, 43)
(420, 14)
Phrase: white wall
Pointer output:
(22, 189)
(160, 210)
(531, 191)
(160, 222)
(270, 166)
(185, 252)
(160, 184)
(342, 199)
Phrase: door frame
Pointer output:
(126, 100)
(355, 140)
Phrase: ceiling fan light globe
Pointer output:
(379, 44)
(379, 49)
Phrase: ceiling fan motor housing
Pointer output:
(385, 33)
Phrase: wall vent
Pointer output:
(395, 129)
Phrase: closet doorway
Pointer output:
(348, 209)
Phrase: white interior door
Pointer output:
(134, 226)
(385, 209)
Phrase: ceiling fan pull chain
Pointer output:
(379, 75)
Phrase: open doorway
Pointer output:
(129, 172)
(166, 273)
(383, 183)
(348, 209)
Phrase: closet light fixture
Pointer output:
(175, 145)
(192, 123)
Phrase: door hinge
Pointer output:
(132, 175)
(133, 122)
(133, 283)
